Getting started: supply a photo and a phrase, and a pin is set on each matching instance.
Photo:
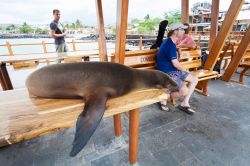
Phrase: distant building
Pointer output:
(200, 18)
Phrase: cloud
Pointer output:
(40, 11)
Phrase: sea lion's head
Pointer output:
(165, 81)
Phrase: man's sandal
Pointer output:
(188, 110)
(163, 107)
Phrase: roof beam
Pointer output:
(101, 31)
(214, 21)
(226, 27)
(121, 28)
(232, 67)
(185, 11)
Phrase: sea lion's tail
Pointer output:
(88, 121)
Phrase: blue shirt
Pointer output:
(57, 27)
(166, 53)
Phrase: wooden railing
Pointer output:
(74, 45)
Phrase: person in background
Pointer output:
(58, 33)
(187, 41)
(167, 62)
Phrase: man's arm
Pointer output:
(178, 65)
(54, 35)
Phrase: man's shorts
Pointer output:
(61, 48)
(178, 77)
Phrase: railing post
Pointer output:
(74, 45)
(9, 48)
(140, 43)
(44, 47)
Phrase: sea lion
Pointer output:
(94, 82)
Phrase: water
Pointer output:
(18, 77)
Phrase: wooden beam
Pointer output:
(134, 116)
(214, 21)
(101, 31)
(237, 57)
(121, 28)
(226, 27)
(185, 11)
(120, 44)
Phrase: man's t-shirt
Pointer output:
(166, 53)
(57, 27)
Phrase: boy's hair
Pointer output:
(56, 11)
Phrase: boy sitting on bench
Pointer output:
(167, 62)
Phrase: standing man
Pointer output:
(58, 33)
(167, 62)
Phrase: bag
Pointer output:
(204, 57)
(162, 27)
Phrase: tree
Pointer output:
(147, 17)
(78, 24)
(25, 28)
(42, 31)
(148, 25)
(173, 16)
(11, 28)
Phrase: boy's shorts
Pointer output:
(178, 77)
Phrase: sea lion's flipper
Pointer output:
(88, 121)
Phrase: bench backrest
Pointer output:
(146, 59)
(142, 59)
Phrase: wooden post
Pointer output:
(5, 78)
(101, 31)
(140, 43)
(118, 125)
(185, 11)
(237, 56)
(9, 49)
(73, 44)
(214, 22)
(44, 47)
(134, 116)
(226, 27)
(121, 28)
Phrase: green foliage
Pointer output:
(78, 24)
(25, 28)
(148, 25)
(173, 16)
(42, 31)
(11, 27)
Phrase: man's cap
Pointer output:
(177, 25)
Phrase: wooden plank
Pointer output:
(214, 21)
(185, 11)
(237, 57)
(226, 27)
(121, 28)
(22, 117)
(101, 31)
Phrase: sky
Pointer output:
(40, 11)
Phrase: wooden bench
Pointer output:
(246, 67)
(22, 117)
(41, 58)
(190, 59)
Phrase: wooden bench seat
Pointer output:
(190, 59)
(22, 117)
